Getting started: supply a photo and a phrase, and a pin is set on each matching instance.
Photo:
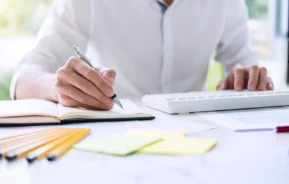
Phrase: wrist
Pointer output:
(49, 87)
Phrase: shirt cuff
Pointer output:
(13, 85)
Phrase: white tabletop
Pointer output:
(239, 158)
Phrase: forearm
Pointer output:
(36, 83)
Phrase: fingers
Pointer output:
(92, 75)
(79, 85)
(262, 83)
(84, 85)
(70, 102)
(73, 97)
(239, 79)
(270, 84)
(253, 78)
(235, 80)
(109, 75)
(222, 85)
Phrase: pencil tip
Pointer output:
(11, 157)
(51, 157)
(30, 159)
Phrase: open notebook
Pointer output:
(35, 111)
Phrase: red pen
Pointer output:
(282, 129)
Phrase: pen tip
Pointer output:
(120, 105)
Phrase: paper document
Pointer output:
(118, 144)
(169, 124)
(176, 145)
(159, 133)
(250, 119)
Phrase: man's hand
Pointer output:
(79, 85)
(252, 78)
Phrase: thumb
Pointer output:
(108, 74)
(222, 85)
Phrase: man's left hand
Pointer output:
(253, 78)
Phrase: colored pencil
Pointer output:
(23, 151)
(16, 139)
(44, 151)
(24, 134)
(59, 151)
(11, 147)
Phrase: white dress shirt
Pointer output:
(152, 51)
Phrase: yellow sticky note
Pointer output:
(117, 144)
(159, 133)
(194, 146)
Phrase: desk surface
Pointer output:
(239, 158)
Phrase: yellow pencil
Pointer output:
(29, 138)
(11, 139)
(59, 151)
(23, 151)
(5, 149)
(43, 151)
(25, 134)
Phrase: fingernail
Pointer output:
(239, 87)
(111, 80)
(251, 87)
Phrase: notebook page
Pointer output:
(30, 107)
(129, 109)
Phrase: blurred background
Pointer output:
(21, 19)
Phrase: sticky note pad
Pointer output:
(190, 146)
(118, 144)
(160, 133)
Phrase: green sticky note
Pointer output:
(180, 146)
(118, 144)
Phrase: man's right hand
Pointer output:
(79, 85)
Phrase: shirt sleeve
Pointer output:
(235, 46)
(68, 24)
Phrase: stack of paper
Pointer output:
(164, 133)
(151, 142)
(180, 146)
(118, 145)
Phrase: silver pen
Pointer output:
(84, 58)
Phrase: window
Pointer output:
(19, 23)
(259, 25)
(22, 17)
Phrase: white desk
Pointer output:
(238, 158)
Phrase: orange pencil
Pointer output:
(23, 151)
(5, 149)
(43, 151)
(59, 151)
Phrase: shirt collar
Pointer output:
(161, 1)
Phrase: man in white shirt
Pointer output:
(154, 46)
